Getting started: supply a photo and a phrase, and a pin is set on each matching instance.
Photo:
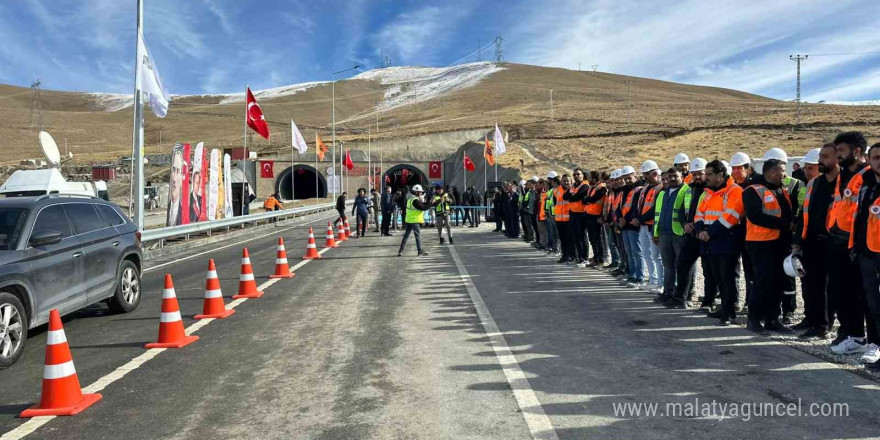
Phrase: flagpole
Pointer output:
(317, 187)
(370, 158)
(137, 141)
(245, 153)
(292, 187)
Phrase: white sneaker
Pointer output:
(632, 285)
(656, 289)
(850, 345)
(643, 286)
(872, 354)
(582, 265)
(621, 277)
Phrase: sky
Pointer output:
(220, 46)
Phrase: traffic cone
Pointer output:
(282, 269)
(340, 233)
(347, 230)
(311, 248)
(171, 333)
(61, 395)
(214, 306)
(331, 242)
(247, 287)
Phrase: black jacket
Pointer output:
(755, 213)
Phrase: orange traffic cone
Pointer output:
(214, 306)
(171, 333)
(61, 394)
(340, 233)
(347, 230)
(247, 287)
(331, 242)
(282, 269)
(311, 248)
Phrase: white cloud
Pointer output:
(419, 36)
(221, 15)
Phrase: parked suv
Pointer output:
(62, 252)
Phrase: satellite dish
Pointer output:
(50, 149)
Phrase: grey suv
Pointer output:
(62, 252)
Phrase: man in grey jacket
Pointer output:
(527, 210)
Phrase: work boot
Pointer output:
(423, 254)
(803, 325)
(787, 318)
(814, 333)
(442, 240)
(756, 326)
(450, 241)
(776, 326)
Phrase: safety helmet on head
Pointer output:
(726, 165)
(552, 175)
(627, 170)
(417, 189)
(793, 266)
(776, 153)
(699, 164)
(812, 156)
(740, 159)
(681, 158)
(437, 185)
(522, 182)
(649, 165)
(615, 174)
(534, 179)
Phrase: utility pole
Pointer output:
(35, 119)
(629, 98)
(499, 52)
(798, 58)
(551, 104)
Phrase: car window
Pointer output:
(111, 215)
(12, 221)
(52, 219)
(84, 217)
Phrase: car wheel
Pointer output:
(13, 329)
(128, 289)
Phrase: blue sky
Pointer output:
(218, 46)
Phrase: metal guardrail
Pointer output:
(151, 235)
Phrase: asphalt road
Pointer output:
(489, 340)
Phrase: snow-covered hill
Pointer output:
(404, 85)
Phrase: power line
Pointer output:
(798, 58)
(499, 52)
(843, 54)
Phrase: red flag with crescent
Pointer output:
(435, 170)
(468, 163)
(267, 169)
(349, 164)
(254, 114)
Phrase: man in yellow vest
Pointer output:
(669, 232)
(865, 243)
(413, 217)
(768, 209)
(442, 204)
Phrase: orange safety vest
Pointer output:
(562, 209)
(844, 205)
(688, 179)
(647, 200)
(628, 204)
(597, 207)
(542, 215)
(615, 203)
(271, 203)
(873, 232)
(806, 208)
(724, 205)
(769, 206)
(578, 207)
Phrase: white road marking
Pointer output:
(536, 419)
(35, 423)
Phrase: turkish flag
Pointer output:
(435, 170)
(348, 163)
(488, 154)
(267, 169)
(468, 163)
(254, 114)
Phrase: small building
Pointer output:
(103, 172)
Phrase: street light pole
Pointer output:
(333, 127)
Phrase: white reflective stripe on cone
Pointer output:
(281, 248)
(311, 246)
(216, 293)
(245, 261)
(54, 337)
(281, 261)
(170, 317)
(212, 274)
(246, 277)
(59, 371)
(168, 293)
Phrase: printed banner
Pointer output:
(221, 188)
(197, 209)
(227, 179)
(435, 170)
(213, 184)
(178, 186)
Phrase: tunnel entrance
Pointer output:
(305, 184)
(404, 175)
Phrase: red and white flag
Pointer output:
(348, 162)
(468, 163)
(267, 169)
(255, 119)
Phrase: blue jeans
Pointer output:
(611, 244)
(634, 255)
(651, 253)
(550, 226)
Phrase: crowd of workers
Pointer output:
(650, 229)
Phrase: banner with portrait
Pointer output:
(227, 186)
(197, 209)
(178, 186)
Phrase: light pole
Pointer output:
(333, 127)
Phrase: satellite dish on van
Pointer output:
(50, 149)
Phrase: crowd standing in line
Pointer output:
(650, 228)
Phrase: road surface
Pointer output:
(487, 339)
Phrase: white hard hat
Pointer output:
(681, 158)
(627, 170)
(793, 266)
(615, 174)
(534, 179)
(739, 159)
(417, 188)
(522, 182)
(776, 153)
(812, 156)
(699, 164)
(649, 165)
(726, 165)
(552, 175)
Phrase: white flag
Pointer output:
(500, 148)
(148, 80)
(297, 140)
